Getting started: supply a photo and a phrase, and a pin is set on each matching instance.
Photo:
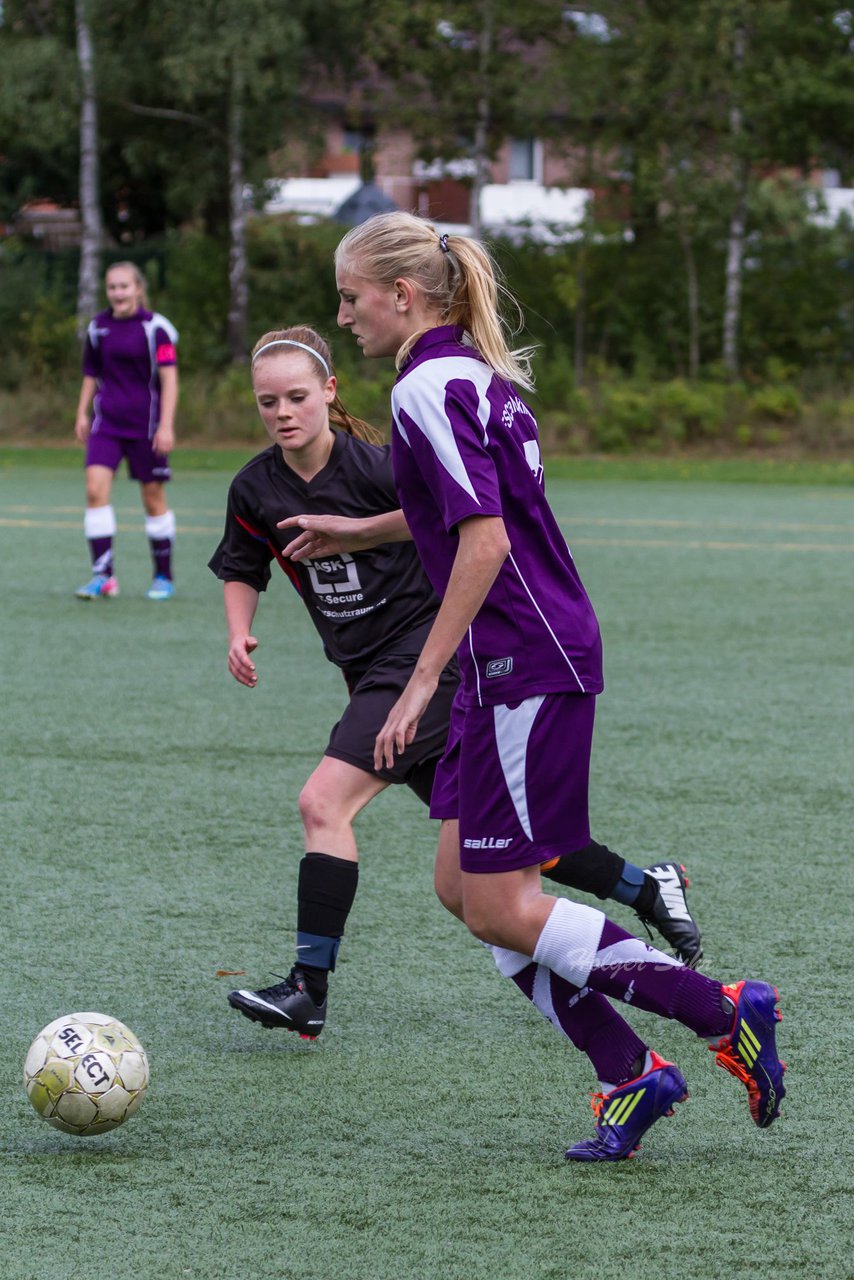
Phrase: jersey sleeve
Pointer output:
(244, 554)
(165, 341)
(445, 428)
(91, 353)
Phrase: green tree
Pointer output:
(682, 108)
(459, 76)
(234, 81)
(39, 103)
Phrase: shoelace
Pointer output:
(645, 922)
(728, 1059)
(597, 1102)
(287, 985)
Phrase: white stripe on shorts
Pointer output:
(512, 731)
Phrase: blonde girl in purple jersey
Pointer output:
(323, 460)
(126, 410)
(512, 786)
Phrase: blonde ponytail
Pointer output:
(457, 276)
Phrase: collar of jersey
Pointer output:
(338, 444)
(442, 335)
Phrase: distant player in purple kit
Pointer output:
(360, 579)
(130, 380)
(511, 789)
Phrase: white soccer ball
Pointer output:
(86, 1073)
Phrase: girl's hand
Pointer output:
(163, 440)
(239, 662)
(81, 428)
(320, 536)
(402, 722)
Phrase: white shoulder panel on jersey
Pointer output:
(159, 321)
(418, 395)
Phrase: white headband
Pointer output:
(290, 342)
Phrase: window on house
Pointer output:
(524, 158)
(354, 141)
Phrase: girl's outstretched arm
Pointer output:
(329, 535)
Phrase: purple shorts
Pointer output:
(144, 464)
(516, 777)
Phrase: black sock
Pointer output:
(645, 901)
(594, 869)
(316, 982)
(327, 888)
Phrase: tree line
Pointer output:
(695, 125)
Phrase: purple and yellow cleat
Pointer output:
(624, 1115)
(749, 1052)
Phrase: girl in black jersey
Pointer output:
(360, 578)
(372, 609)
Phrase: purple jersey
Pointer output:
(124, 354)
(465, 445)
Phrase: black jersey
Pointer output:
(361, 603)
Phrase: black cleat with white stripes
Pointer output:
(670, 914)
(286, 1005)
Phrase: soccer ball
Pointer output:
(86, 1073)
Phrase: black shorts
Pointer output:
(372, 695)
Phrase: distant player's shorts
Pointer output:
(516, 777)
(372, 696)
(144, 463)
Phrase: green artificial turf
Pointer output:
(151, 838)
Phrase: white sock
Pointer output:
(569, 940)
(99, 522)
(509, 963)
(158, 527)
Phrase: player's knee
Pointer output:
(479, 922)
(97, 491)
(311, 804)
(317, 809)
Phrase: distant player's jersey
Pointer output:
(465, 445)
(361, 604)
(125, 354)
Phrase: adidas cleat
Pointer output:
(670, 914)
(287, 1005)
(749, 1052)
(624, 1115)
(102, 586)
(161, 589)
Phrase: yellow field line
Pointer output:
(697, 544)
(690, 544)
(7, 523)
(658, 523)
(579, 522)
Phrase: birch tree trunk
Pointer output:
(738, 220)
(89, 282)
(238, 287)
(481, 134)
(693, 303)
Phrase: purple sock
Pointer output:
(588, 1020)
(626, 969)
(101, 551)
(161, 555)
